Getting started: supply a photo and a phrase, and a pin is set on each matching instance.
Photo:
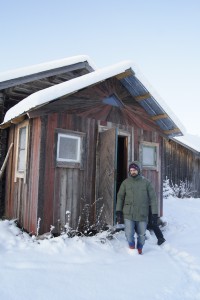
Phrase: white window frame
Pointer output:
(155, 146)
(67, 162)
(21, 173)
(78, 139)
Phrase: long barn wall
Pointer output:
(181, 164)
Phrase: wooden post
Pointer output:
(5, 160)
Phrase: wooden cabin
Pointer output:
(73, 143)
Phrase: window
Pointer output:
(149, 155)
(21, 155)
(69, 148)
(21, 150)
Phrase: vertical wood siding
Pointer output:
(153, 175)
(181, 164)
(9, 186)
(21, 197)
(33, 175)
(64, 189)
(49, 173)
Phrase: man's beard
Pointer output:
(134, 175)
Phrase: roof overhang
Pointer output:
(23, 75)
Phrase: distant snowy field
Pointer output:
(98, 268)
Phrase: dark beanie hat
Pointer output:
(134, 166)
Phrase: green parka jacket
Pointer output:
(134, 198)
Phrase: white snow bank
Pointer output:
(88, 268)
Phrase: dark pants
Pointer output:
(155, 228)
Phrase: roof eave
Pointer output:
(43, 74)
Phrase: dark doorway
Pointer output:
(122, 160)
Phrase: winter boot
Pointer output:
(161, 241)
(139, 251)
(131, 246)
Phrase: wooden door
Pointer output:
(107, 174)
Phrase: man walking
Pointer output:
(135, 196)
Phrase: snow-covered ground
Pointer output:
(98, 268)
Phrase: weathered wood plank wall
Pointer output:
(181, 164)
(153, 175)
(65, 188)
(49, 191)
(33, 175)
(9, 187)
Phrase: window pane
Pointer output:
(68, 148)
(22, 138)
(149, 156)
(21, 150)
(21, 161)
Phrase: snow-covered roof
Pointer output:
(46, 95)
(21, 72)
(154, 105)
(189, 140)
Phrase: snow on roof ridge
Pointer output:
(191, 140)
(25, 71)
(51, 93)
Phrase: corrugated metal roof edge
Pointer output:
(173, 129)
(157, 98)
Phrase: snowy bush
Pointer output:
(89, 227)
(167, 190)
(85, 226)
(183, 190)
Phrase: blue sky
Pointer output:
(161, 37)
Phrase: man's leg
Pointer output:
(157, 231)
(141, 232)
(158, 234)
(130, 232)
